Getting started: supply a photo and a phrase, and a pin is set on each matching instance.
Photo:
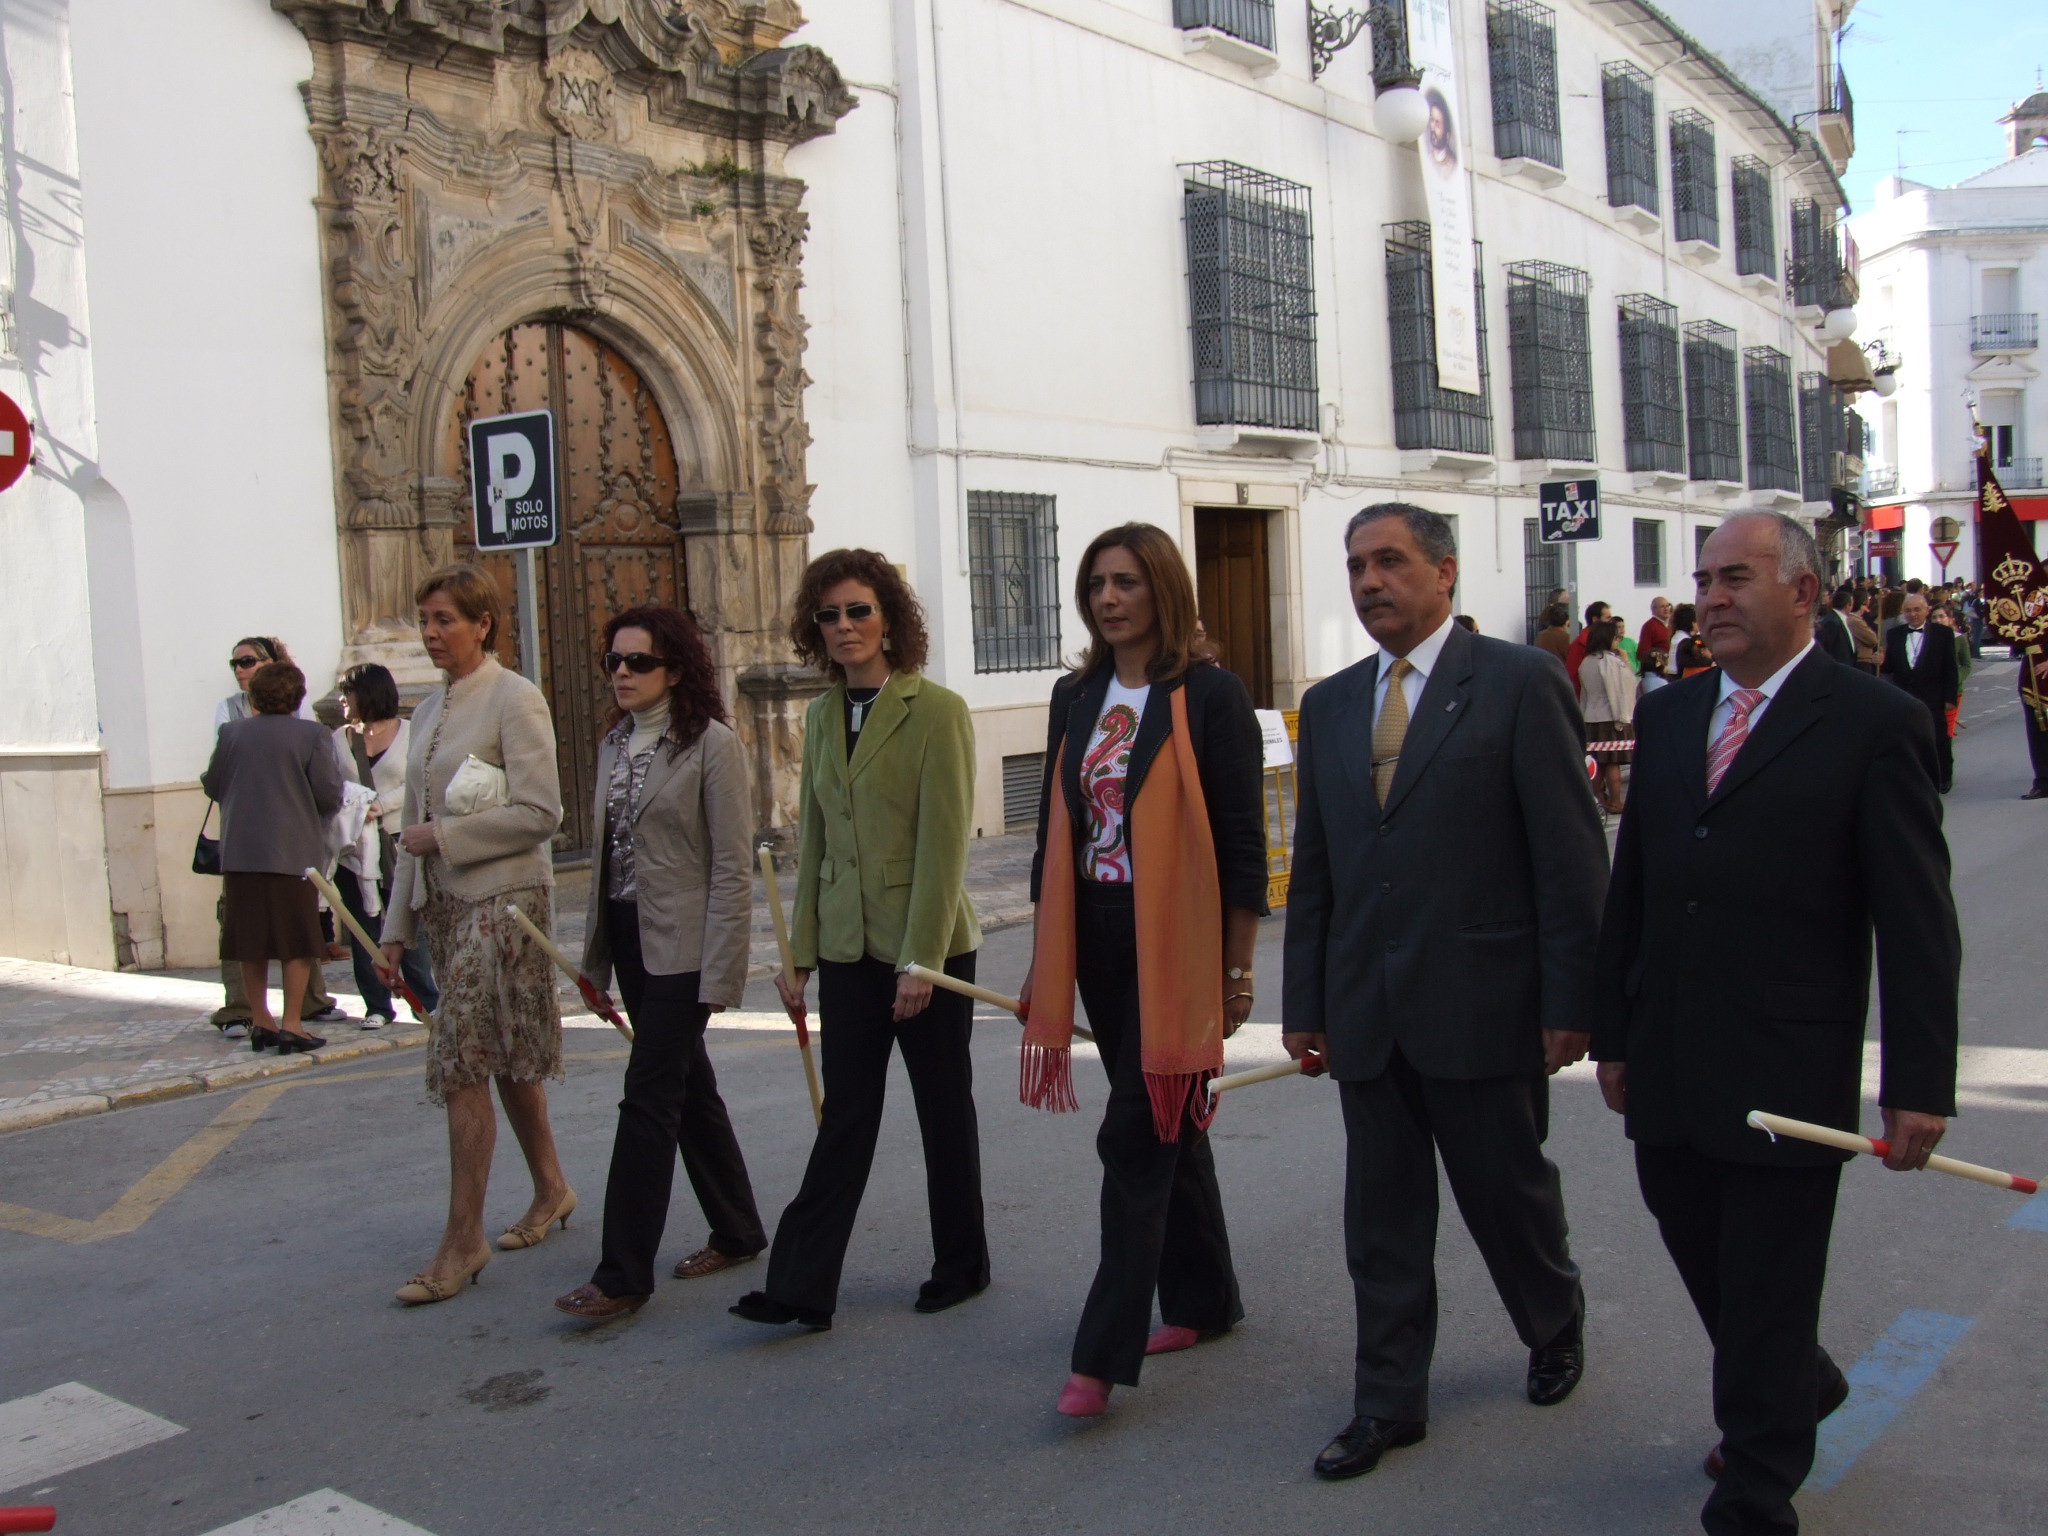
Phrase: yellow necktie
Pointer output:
(1390, 730)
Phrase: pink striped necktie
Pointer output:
(1733, 734)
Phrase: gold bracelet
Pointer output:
(1235, 996)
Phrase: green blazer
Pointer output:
(882, 853)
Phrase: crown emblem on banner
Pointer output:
(2011, 571)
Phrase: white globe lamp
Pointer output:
(1400, 114)
(1886, 382)
(1838, 324)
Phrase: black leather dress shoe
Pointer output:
(1832, 1396)
(1361, 1443)
(934, 1297)
(2038, 792)
(758, 1307)
(1556, 1368)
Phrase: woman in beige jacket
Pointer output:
(671, 915)
(463, 858)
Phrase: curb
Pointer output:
(30, 1117)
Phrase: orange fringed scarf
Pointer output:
(1179, 902)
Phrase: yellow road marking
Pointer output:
(148, 1194)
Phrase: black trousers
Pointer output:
(1944, 744)
(1751, 1245)
(854, 1040)
(413, 966)
(1490, 1133)
(672, 1104)
(1162, 1212)
(2037, 739)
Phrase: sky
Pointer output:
(1931, 78)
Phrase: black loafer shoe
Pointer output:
(2038, 792)
(1556, 1368)
(1832, 1396)
(757, 1307)
(1361, 1443)
(934, 1297)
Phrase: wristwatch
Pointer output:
(1238, 972)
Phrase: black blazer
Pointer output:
(1936, 681)
(1230, 755)
(1735, 954)
(1459, 920)
(1832, 635)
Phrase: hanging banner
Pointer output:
(1432, 49)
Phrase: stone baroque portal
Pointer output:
(615, 166)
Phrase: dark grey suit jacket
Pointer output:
(277, 779)
(1459, 920)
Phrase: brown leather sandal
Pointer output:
(707, 1261)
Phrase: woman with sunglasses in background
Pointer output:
(887, 800)
(671, 912)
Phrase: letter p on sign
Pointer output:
(510, 457)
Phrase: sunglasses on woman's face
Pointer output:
(244, 663)
(637, 662)
(856, 613)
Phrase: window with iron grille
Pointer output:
(1521, 45)
(1713, 402)
(1815, 269)
(1700, 535)
(1695, 182)
(1652, 388)
(1773, 431)
(1756, 237)
(1550, 362)
(1251, 292)
(1823, 415)
(1023, 783)
(1649, 533)
(1013, 577)
(1426, 415)
(1251, 20)
(1630, 104)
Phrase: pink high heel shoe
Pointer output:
(1084, 1397)
(1168, 1338)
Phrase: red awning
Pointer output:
(2031, 509)
(1881, 518)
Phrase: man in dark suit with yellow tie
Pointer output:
(1441, 923)
(1730, 982)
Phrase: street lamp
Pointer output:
(1399, 114)
(1838, 324)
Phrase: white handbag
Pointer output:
(477, 786)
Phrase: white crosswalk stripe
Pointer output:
(69, 1427)
(325, 1513)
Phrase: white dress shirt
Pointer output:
(1718, 721)
(1422, 659)
(1915, 638)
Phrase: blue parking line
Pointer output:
(1880, 1384)
(2033, 1216)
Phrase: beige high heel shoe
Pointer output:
(519, 1235)
(423, 1288)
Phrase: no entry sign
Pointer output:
(17, 442)
(512, 480)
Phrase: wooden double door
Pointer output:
(621, 543)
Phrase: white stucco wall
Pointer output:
(211, 390)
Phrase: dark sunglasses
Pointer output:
(244, 663)
(637, 662)
(858, 613)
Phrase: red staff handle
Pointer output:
(600, 1001)
(28, 1517)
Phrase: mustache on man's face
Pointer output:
(1375, 600)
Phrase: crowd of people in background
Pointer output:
(1924, 639)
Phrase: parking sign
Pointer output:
(512, 480)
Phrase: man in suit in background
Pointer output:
(1441, 924)
(1921, 658)
(1726, 987)
(1832, 634)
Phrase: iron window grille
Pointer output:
(1391, 65)
(1649, 532)
(1814, 271)
(1713, 402)
(1824, 421)
(1545, 568)
(1521, 44)
(1756, 237)
(1773, 432)
(1695, 181)
(1251, 294)
(1550, 362)
(1629, 102)
(1652, 387)
(1426, 415)
(1249, 20)
(1013, 576)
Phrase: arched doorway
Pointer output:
(621, 542)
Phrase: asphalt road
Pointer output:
(250, 1306)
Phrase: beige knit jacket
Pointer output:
(503, 719)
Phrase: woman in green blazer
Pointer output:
(888, 790)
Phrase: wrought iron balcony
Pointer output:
(1836, 124)
(2005, 333)
(1249, 21)
(1880, 479)
(2020, 475)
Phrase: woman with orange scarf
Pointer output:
(1150, 880)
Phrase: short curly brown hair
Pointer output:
(902, 613)
(277, 688)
